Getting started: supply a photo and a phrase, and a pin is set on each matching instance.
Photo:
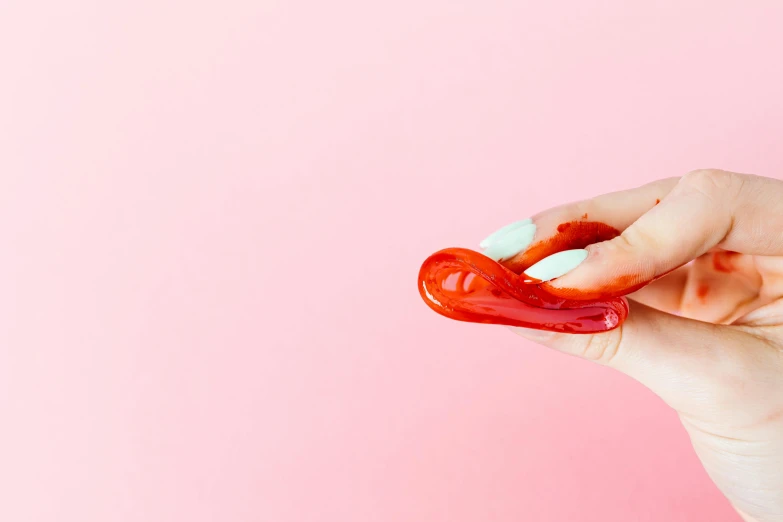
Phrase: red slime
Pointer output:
(468, 286)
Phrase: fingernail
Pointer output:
(556, 265)
(503, 231)
(509, 240)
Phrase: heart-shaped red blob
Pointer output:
(468, 286)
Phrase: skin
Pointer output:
(707, 337)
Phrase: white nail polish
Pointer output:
(503, 231)
(556, 265)
(512, 242)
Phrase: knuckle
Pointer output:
(634, 238)
(583, 208)
(602, 348)
(711, 183)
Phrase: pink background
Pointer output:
(212, 217)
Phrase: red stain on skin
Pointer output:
(701, 291)
(724, 261)
(621, 285)
(657, 201)
(503, 294)
(584, 216)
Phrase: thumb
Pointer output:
(681, 360)
(704, 210)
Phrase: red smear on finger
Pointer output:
(724, 261)
(619, 286)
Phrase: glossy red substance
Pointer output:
(468, 286)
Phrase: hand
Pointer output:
(707, 337)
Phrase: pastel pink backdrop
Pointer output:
(212, 217)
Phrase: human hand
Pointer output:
(707, 337)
